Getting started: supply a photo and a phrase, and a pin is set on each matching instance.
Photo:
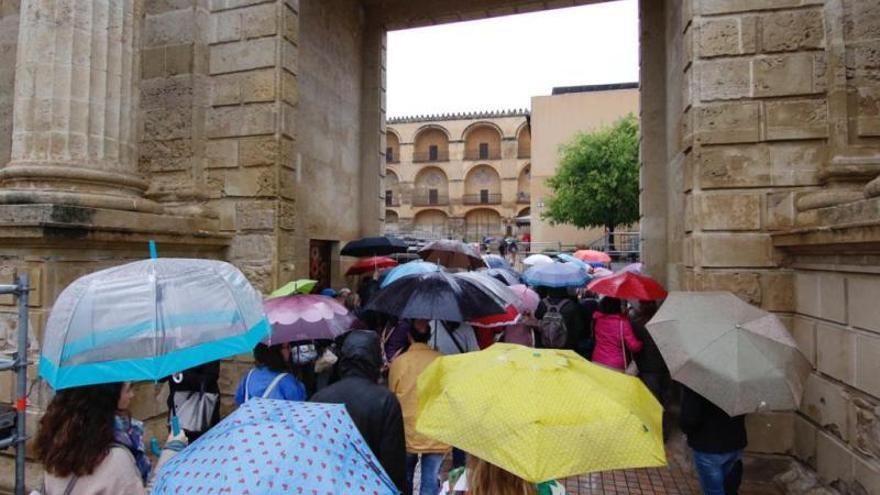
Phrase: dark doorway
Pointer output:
(320, 253)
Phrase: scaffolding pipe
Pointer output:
(21, 388)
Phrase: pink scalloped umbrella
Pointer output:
(305, 317)
(529, 299)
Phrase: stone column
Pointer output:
(75, 113)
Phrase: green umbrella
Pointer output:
(737, 356)
(301, 286)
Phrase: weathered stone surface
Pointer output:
(835, 352)
(221, 153)
(864, 422)
(259, 151)
(779, 213)
(727, 36)
(834, 461)
(864, 312)
(251, 248)
(729, 211)
(804, 441)
(827, 404)
(867, 357)
(792, 30)
(734, 250)
(259, 20)
(728, 123)
(243, 55)
(724, 79)
(250, 182)
(799, 119)
(290, 25)
(245, 120)
(790, 74)
(254, 215)
(866, 476)
(710, 7)
(804, 333)
(777, 164)
(170, 28)
(778, 290)
(822, 295)
(746, 285)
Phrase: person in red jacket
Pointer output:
(614, 335)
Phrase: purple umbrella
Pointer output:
(305, 317)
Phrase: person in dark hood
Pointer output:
(374, 409)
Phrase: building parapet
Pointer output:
(491, 114)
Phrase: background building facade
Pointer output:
(558, 118)
(463, 176)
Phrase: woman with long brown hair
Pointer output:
(89, 444)
(483, 478)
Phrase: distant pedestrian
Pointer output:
(272, 377)
(502, 247)
(717, 441)
(652, 368)
(374, 409)
(614, 335)
(402, 380)
(88, 443)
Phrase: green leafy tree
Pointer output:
(597, 181)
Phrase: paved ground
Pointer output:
(677, 478)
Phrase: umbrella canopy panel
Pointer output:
(306, 317)
(275, 446)
(452, 254)
(374, 246)
(149, 319)
(556, 275)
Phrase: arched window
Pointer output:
(524, 143)
(482, 186)
(431, 145)
(524, 185)
(392, 189)
(482, 141)
(392, 147)
(431, 187)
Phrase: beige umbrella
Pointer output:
(737, 356)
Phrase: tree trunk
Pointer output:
(609, 246)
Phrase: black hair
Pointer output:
(420, 337)
(270, 357)
(610, 305)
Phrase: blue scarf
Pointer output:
(130, 433)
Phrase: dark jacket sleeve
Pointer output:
(691, 411)
(393, 448)
(576, 324)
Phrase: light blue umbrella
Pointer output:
(276, 446)
(411, 268)
(556, 274)
(567, 258)
(149, 319)
(496, 261)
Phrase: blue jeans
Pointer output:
(719, 474)
(430, 479)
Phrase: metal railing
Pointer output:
(477, 155)
(426, 156)
(481, 199)
(392, 159)
(392, 200)
(523, 197)
(618, 245)
(19, 364)
(424, 199)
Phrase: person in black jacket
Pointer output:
(717, 441)
(652, 368)
(374, 409)
(576, 324)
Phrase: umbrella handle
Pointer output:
(175, 425)
(154, 447)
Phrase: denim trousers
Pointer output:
(720, 474)
(430, 479)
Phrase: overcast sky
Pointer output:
(501, 63)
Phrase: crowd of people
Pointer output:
(89, 443)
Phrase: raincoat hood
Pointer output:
(360, 355)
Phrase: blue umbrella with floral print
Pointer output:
(273, 446)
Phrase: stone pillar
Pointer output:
(372, 169)
(76, 98)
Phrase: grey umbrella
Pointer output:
(452, 254)
(737, 356)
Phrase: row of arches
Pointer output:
(482, 141)
(478, 222)
(482, 185)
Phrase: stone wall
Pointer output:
(759, 166)
(8, 46)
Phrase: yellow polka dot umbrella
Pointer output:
(542, 414)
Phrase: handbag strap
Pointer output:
(623, 345)
(247, 386)
(273, 385)
(70, 484)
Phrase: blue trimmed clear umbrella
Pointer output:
(149, 319)
(556, 274)
(567, 258)
(411, 268)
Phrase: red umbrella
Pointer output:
(372, 264)
(509, 317)
(628, 285)
(592, 256)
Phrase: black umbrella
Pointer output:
(374, 246)
(436, 296)
(452, 254)
(505, 275)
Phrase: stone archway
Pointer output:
(482, 222)
(431, 144)
(482, 141)
(431, 187)
(434, 222)
(482, 186)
